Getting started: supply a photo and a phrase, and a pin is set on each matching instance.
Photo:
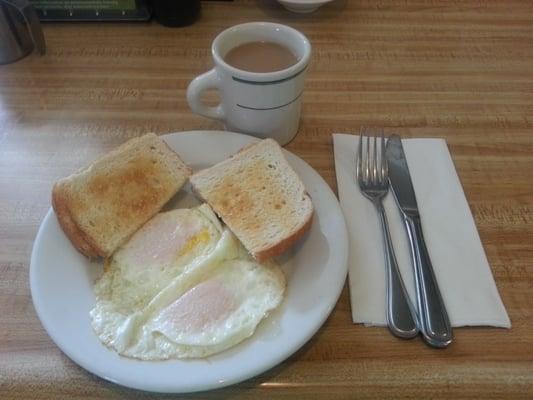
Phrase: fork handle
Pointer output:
(434, 322)
(401, 317)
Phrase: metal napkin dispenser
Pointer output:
(20, 31)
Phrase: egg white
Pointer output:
(253, 289)
(209, 298)
(129, 283)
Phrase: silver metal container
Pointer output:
(20, 31)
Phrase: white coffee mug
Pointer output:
(262, 104)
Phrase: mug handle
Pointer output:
(209, 80)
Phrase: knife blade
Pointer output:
(433, 318)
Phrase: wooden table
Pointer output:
(422, 68)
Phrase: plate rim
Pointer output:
(261, 367)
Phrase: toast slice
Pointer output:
(101, 206)
(259, 197)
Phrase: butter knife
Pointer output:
(433, 319)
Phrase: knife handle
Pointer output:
(434, 322)
(401, 316)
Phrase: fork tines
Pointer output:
(371, 169)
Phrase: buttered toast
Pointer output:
(101, 206)
(259, 197)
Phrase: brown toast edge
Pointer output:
(75, 235)
(78, 238)
(284, 245)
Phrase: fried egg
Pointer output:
(157, 253)
(182, 287)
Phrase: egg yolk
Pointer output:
(200, 238)
(161, 241)
(201, 307)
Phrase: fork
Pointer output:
(373, 179)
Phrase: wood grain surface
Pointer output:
(461, 70)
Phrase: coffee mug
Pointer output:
(262, 104)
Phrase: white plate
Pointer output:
(62, 281)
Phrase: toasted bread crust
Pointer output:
(280, 247)
(259, 197)
(75, 235)
(100, 206)
(285, 244)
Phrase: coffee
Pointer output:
(260, 57)
(263, 104)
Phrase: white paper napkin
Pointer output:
(458, 258)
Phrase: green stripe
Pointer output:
(268, 82)
(270, 108)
